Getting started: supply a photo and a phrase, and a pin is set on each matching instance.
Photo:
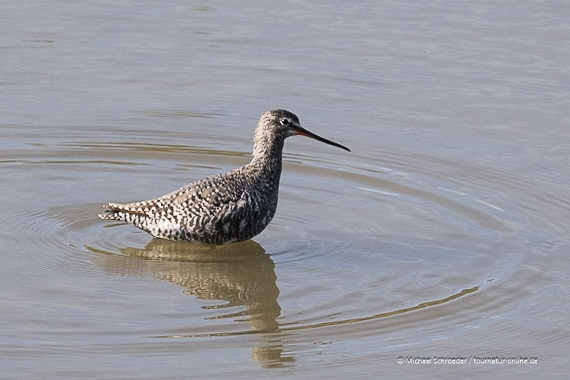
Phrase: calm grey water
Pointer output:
(444, 233)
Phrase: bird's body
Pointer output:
(223, 208)
(220, 209)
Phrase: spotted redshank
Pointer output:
(223, 208)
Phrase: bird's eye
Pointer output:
(285, 121)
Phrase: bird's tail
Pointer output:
(117, 211)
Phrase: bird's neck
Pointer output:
(267, 146)
(267, 156)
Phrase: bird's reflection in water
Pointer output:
(241, 274)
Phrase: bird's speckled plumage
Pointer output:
(223, 208)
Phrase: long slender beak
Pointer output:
(303, 132)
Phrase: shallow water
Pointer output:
(443, 234)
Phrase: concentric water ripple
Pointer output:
(350, 246)
(415, 243)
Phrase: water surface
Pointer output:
(443, 233)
